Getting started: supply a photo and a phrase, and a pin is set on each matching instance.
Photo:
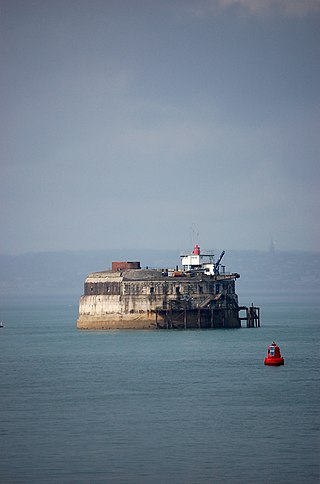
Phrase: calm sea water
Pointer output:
(158, 407)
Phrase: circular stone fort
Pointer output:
(199, 294)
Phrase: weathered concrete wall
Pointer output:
(202, 318)
(118, 321)
(103, 305)
(109, 312)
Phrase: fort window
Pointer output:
(151, 290)
(177, 290)
(200, 289)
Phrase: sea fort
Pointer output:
(198, 294)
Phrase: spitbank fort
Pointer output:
(199, 294)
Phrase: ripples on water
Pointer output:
(164, 406)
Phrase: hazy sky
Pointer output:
(140, 123)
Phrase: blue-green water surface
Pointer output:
(158, 406)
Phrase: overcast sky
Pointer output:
(141, 123)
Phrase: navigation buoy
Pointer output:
(274, 357)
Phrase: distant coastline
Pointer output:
(62, 273)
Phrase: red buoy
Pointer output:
(274, 357)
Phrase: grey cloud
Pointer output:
(257, 7)
(123, 130)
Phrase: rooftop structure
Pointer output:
(195, 261)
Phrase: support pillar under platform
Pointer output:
(198, 318)
(252, 316)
